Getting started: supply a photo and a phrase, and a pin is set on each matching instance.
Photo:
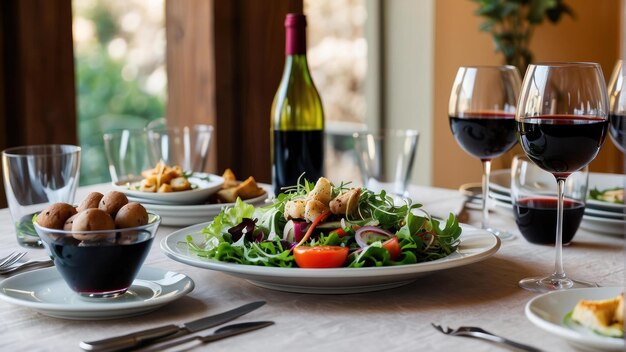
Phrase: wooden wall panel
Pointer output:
(249, 41)
(592, 36)
(37, 89)
(224, 62)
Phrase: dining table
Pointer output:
(484, 294)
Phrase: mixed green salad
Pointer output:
(610, 195)
(321, 225)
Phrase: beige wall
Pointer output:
(592, 36)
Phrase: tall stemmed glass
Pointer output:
(562, 121)
(482, 118)
(617, 107)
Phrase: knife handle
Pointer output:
(130, 340)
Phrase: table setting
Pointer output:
(221, 259)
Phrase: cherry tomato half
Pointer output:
(393, 246)
(320, 256)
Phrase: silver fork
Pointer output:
(11, 259)
(31, 264)
(476, 332)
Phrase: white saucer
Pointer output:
(45, 292)
(548, 312)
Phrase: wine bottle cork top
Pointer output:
(295, 20)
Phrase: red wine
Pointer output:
(536, 219)
(99, 268)
(562, 144)
(484, 135)
(296, 152)
(617, 129)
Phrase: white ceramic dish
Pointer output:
(501, 183)
(604, 225)
(45, 291)
(603, 182)
(206, 185)
(476, 245)
(548, 312)
(186, 215)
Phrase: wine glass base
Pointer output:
(503, 235)
(551, 283)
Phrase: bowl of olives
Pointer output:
(98, 246)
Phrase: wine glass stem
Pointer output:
(486, 173)
(558, 262)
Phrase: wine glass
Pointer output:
(562, 121)
(482, 118)
(617, 107)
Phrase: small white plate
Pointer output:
(604, 225)
(186, 215)
(476, 245)
(501, 183)
(604, 214)
(45, 291)
(206, 185)
(603, 182)
(548, 312)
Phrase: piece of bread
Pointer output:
(605, 317)
(249, 189)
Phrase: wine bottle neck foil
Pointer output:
(295, 28)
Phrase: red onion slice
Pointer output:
(367, 233)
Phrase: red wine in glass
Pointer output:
(485, 135)
(617, 130)
(562, 144)
(536, 219)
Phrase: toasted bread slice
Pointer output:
(603, 316)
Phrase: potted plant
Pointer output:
(511, 24)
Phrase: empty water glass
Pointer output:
(127, 154)
(35, 177)
(386, 159)
(187, 147)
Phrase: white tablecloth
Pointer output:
(484, 294)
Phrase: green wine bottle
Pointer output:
(297, 126)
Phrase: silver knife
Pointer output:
(221, 333)
(135, 339)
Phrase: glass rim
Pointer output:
(41, 150)
(156, 221)
(202, 127)
(494, 67)
(566, 64)
(381, 132)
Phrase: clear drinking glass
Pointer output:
(34, 177)
(127, 154)
(534, 196)
(187, 147)
(482, 118)
(562, 121)
(386, 158)
(617, 107)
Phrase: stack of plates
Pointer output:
(602, 217)
(186, 207)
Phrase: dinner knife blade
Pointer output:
(135, 339)
(221, 333)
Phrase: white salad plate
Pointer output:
(476, 245)
(45, 291)
(186, 215)
(204, 186)
(548, 311)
